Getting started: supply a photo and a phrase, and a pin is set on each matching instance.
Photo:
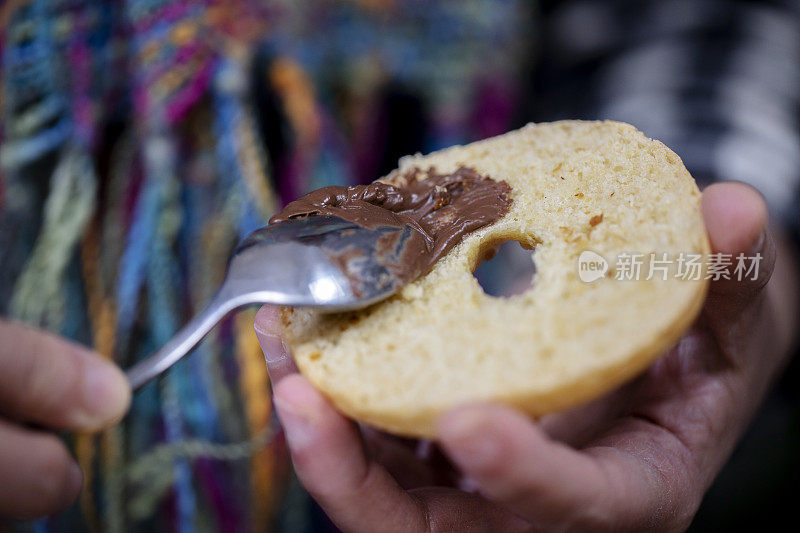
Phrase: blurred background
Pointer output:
(141, 139)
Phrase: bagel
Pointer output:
(576, 186)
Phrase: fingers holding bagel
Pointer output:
(747, 313)
(327, 451)
(356, 491)
(554, 486)
(330, 460)
(268, 330)
(736, 218)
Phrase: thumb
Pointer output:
(50, 381)
(736, 218)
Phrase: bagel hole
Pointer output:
(505, 269)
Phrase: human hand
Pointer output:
(48, 384)
(641, 457)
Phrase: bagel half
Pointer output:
(441, 341)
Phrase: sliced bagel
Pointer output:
(576, 186)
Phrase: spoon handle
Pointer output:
(184, 340)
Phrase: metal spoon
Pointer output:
(298, 263)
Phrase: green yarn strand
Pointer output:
(38, 296)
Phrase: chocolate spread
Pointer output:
(442, 208)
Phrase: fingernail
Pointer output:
(758, 246)
(467, 441)
(424, 449)
(468, 484)
(75, 477)
(297, 427)
(106, 394)
(272, 346)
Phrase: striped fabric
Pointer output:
(716, 81)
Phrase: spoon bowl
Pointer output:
(320, 262)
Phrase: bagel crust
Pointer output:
(575, 186)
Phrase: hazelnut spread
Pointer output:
(441, 208)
